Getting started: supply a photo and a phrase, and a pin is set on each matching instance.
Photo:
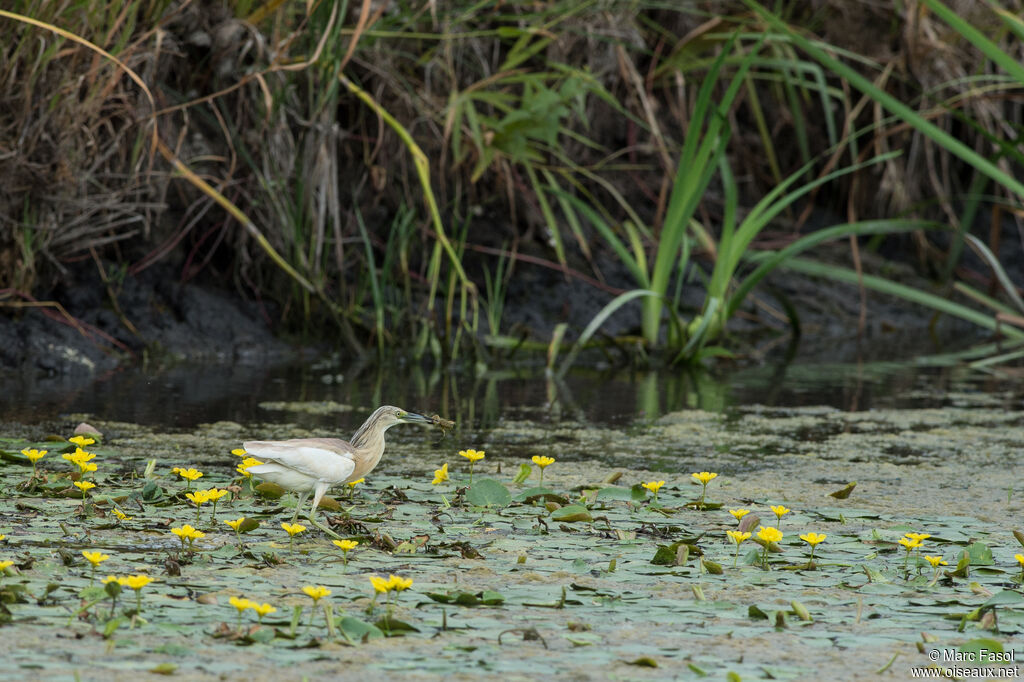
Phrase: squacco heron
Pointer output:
(313, 465)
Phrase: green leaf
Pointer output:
(546, 494)
(357, 630)
(1003, 598)
(974, 647)
(979, 554)
(617, 492)
(572, 513)
(524, 473)
(487, 492)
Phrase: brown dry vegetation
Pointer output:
(506, 100)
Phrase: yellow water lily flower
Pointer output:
(920, 537)
(316, 592)
(398, 584)
(936, 561)
(33, 454)
(353, 484)
(84, 486)
(81, 441)
(440, 475)
(543, 462)
(739, 513)
(121, 516)
(95, 558)
(472, 455)
(380, 584)
(236, 523)
(188, 474)
(909, 543)
(239, 452)
(704, 477)
(736, 536)
(262, 610)
(293, 528)
(813, 538)
(780, 511)
(137, 582)
(769, 534)
(241, 603)
(346, 545)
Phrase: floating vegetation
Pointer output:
(592, 570)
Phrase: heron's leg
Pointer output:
(298, 505)
(321, 488)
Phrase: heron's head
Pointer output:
(390, 415)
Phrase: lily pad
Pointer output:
(487, 492)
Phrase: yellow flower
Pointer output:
(113, 579)
(188, 474)
(737, 536)
(33, 454)
(95, 558)
(937, 561)
(198, 497)
(399, 584)
(86, 467)
(739, 513)
(121, 515)
(704, 477)
(472, 455)
(353, 484)
(780, 511)
(1020, 560)
(236, 523)
(239, 452)
(81, 441)
(441, 475)
(380, 584)
(243, 467)
(4, 565)
(241, 604)
(316, 592)
(214, 494)
(920, 537)
(137, 582)
(2, 537)
(813, 538)
(188, 532)
(262, 609)
(84, 486)
(654, 486)
(769, 534)
(79, 456)
(346, 545)
(542, 461)
(910, 544)
(293, 528)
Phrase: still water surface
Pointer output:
(186, 395)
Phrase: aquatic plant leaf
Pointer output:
(571, 514)
(487, 492)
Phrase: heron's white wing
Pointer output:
(312, 460)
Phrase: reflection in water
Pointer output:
(185, 395)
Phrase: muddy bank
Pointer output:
(148, 318)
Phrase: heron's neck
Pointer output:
(370, 437)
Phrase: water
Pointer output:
(183, 396)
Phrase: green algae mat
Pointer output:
(597, 570)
